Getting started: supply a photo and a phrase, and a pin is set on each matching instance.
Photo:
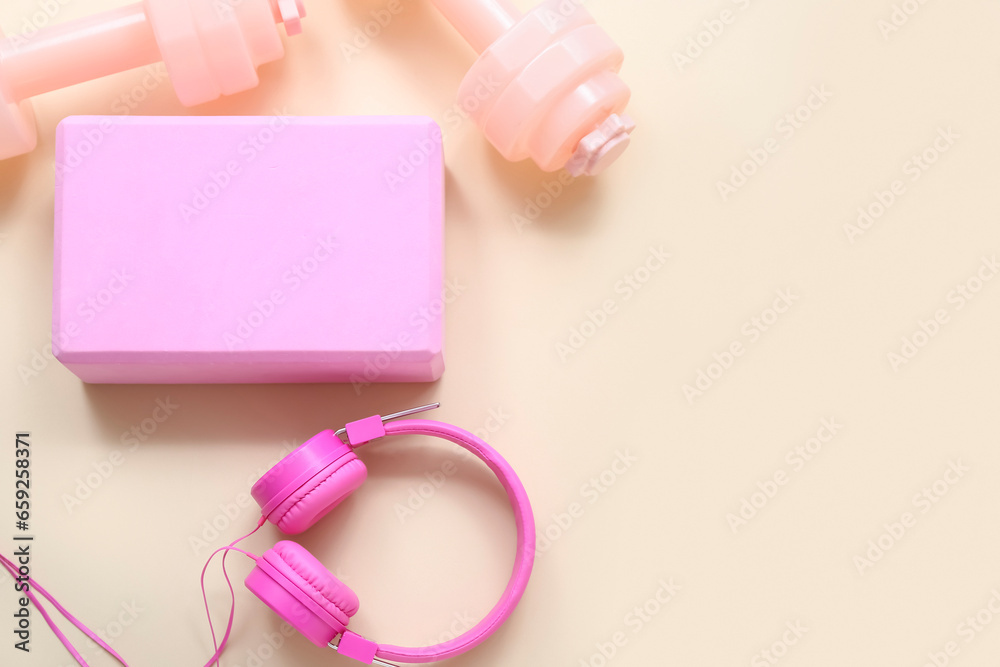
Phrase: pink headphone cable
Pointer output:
(232, 607)
(12, 569)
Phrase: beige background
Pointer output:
(125, 553)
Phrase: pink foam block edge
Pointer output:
(249, 249)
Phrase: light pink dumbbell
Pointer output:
(546, 84)
(210, 48)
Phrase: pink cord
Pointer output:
(232, 594)
(13, 570)
(10, 567)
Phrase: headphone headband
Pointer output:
(351, 644)
(365, 430)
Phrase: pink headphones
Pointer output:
(300, 490)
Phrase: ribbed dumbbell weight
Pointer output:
(546, 84)
(210, 48)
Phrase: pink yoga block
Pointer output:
(249, 249)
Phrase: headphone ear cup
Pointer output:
(324, 491)
(297, 587)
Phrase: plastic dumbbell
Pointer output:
(546, 84)
(210, 48)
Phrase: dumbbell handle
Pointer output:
(65, 54)
(480, 22)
